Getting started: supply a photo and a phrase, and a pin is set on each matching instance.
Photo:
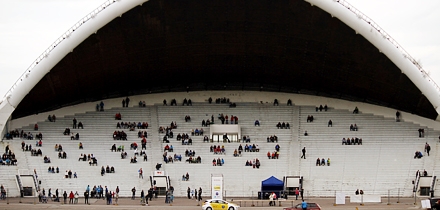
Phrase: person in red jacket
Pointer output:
(71, 196)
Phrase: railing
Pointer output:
(64, 36)
(37, 186)
(416, 183)
(432, 186)
(20, 185)
(385, 35)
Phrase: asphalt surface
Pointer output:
(189, 204)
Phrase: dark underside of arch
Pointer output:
(175, 45)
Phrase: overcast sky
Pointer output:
(28, 27)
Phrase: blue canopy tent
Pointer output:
(272, 184)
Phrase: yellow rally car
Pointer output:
(215, 204)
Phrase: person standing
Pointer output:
(188, 191)
(123, 102)
(195, 193)
(200, 193)
(65, 196)
(127, 100)
(271, 199)
(141, 173)
(133, 191)
(86, 197)
(428, 148)
(71, 196)
(296, 193)
(304, 153)
(304, 205)
(74, 122)
(397, 116)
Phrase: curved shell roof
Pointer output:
(178, 45)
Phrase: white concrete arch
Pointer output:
(364, 26)
(88, 25)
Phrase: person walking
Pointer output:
(304, 153)
(200, 193)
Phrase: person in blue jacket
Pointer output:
(304, 205)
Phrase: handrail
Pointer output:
(60, 39)
(386, 36)
(416, 183)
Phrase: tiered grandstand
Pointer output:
(383, 162)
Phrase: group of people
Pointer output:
(272, 139)
(273, 155)
(51, 169)
(353, 127)
(125, 102)
(418, 155)
(254, 163)
(75, 125)
(353, 141)
(8, 158)
(118, 116)
(62, 155)
(173, 102)
(283, 125)
(69, 173)
(194, 194)
(225, 119)
(119, 135)
(52, 118)
(217, 149)
(218, 162)
(320, 108)
(249, 148)
(197, 132)
(310, 118)
(323, 162)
